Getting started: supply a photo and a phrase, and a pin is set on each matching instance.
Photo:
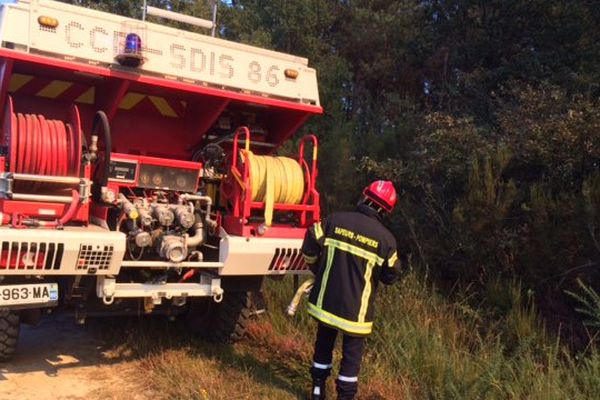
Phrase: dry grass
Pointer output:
(424, 346)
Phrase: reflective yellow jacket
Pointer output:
(349, 253)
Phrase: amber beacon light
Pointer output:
(48, 22)
(291, 73)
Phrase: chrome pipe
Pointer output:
(41, 197)
(186, 19)
(43, 178)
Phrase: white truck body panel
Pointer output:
(260, 256)
(97, 37)
(71, 251)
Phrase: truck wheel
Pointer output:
(9, 333)
(230, 319)
(223, 322)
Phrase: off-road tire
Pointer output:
(9, 333)
(223, 322)
(231, 318)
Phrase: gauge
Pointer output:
(181, 181)
(145, 179)
(157, 180)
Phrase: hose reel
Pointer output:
(275, 180)
(40, 146)
(269, 183)
(43, 166)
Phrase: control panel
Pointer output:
(154, 173)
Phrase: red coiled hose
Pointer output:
(45, 147)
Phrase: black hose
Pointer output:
(101, 117)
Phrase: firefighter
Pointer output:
(349, 253)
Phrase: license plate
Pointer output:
(39, 293)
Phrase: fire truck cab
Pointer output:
(138, 171)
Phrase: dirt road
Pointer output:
(58, 360)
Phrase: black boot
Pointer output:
(318, 389)
(319, 380)
(346, 390)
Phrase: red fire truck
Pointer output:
(137, 169)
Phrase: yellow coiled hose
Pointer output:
(275, 180)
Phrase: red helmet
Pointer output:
(382, 193)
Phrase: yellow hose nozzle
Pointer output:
(305, 288)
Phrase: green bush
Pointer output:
(515, 200)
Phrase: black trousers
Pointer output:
(352, 352)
